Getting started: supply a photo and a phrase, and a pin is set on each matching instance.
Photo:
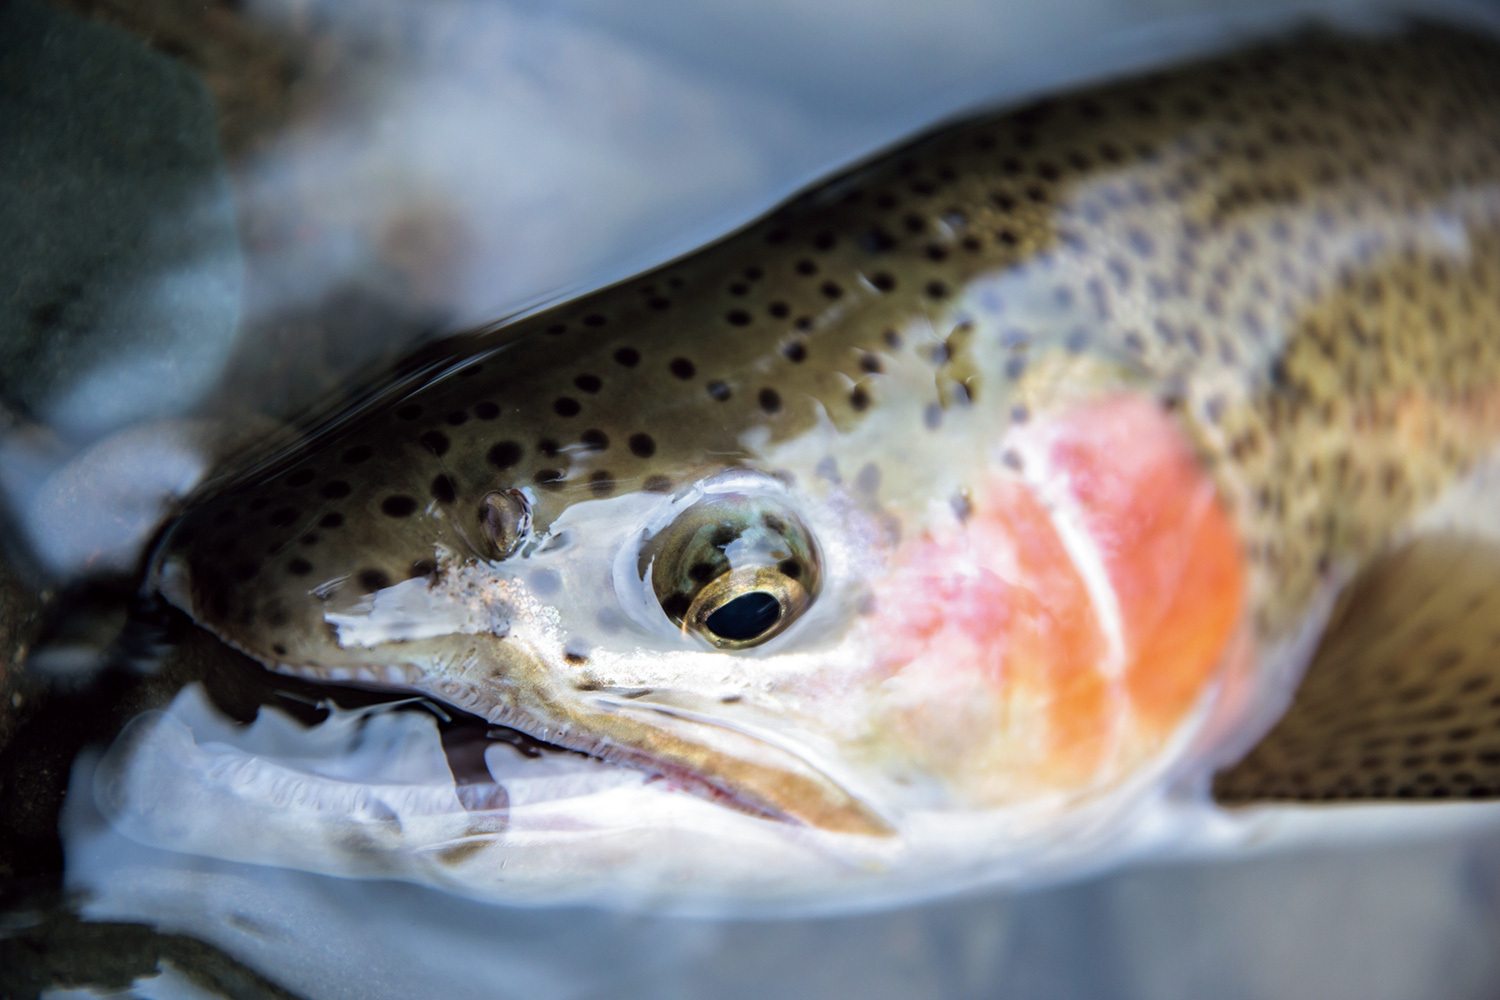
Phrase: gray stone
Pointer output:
(118, 248)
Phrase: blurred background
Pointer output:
(212, 213)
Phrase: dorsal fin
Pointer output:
(1402, 700)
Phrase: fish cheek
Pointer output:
(991, 649)
(1088, 626)
(1167, 545)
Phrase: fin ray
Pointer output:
(1402, 700)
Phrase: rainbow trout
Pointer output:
(936, 528)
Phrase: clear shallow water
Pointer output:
(446, 164)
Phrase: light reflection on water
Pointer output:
(480, 157)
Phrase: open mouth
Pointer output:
(342, 781)
(361, 758)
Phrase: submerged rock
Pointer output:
(117, 229)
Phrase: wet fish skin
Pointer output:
(1294, 251)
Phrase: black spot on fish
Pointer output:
(550, 479)
(504, 455)
(628, 356)
(770, 400)
(642, 445)
(443, 489)
(682, 368)
(282, 517)
(882, 281)
(371, 580)
(601, 483)
(877, 240)
(795, 351)
(330, 521)
(398, 505)
(737, 317)
(359, 453)
(859, 399)
(657, 484)
(589, 383)
(718, 390)
(300, 478)
(566, 406)
(486, 411)
(422, 567)
(435, 442)
(594, 440)
(335, 489)
(790, 568)
(298, 567)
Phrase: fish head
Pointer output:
(826, 626)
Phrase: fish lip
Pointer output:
(673, 777)
(677, 778)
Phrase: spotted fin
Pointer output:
(1402, 700)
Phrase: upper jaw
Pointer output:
(730, 761)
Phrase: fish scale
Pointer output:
(1294, 252)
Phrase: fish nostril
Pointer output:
(505, 518)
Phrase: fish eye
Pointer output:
(734, 570)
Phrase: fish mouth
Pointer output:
(689, 750)
(742, 768)
(343, 781)
(732, 764)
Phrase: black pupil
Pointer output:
(745, 617)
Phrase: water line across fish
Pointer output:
(1006, 480)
